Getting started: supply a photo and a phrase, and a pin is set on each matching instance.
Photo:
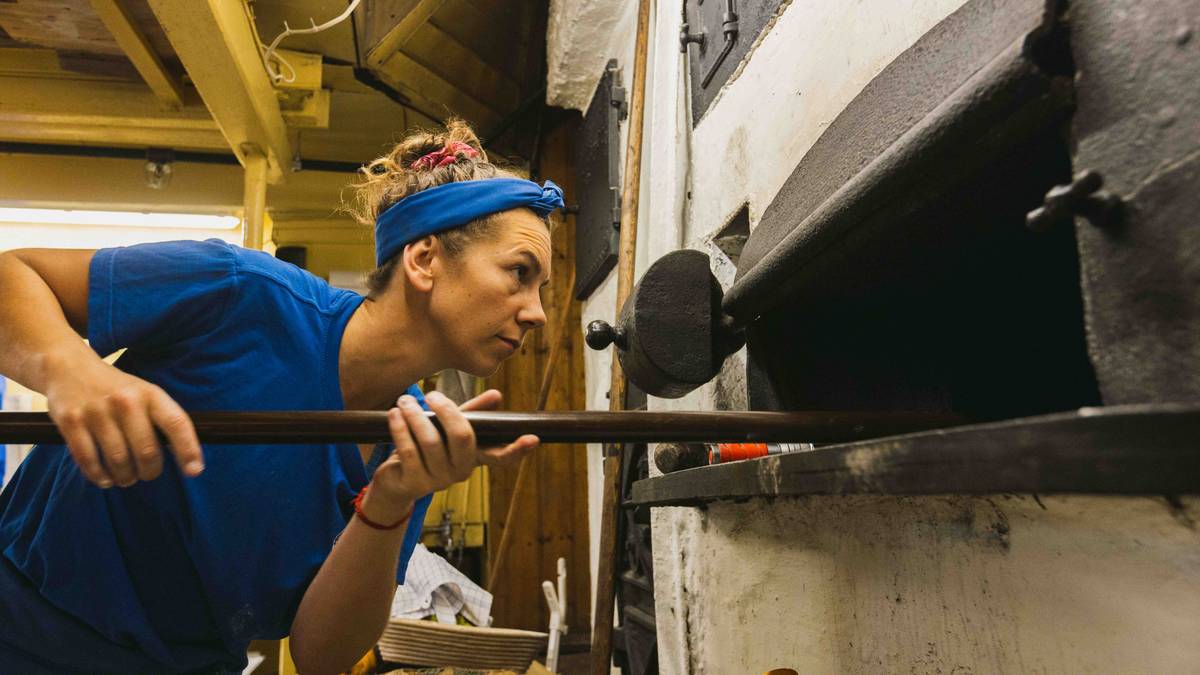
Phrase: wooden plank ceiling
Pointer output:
(398, 64)
(74, 30)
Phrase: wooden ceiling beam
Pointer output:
(395, 38)
(120, 184)
(78, 133)
(471, 26)
(137, 47)
(475, 73)
(100, 112)
(430, 91)
(215, 41)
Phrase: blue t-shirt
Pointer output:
(178, 574)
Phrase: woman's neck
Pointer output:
(379, 358)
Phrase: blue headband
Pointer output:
(455, 204)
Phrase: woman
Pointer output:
(117, 558)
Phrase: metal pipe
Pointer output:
(492, 428)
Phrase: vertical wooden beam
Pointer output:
(516, 587)
(254, 199)
(563, 492)
(549, 514)
(139, 50)
(601, 656)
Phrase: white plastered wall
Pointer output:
(866, 584)
(810, 584)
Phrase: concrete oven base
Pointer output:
(1003, 583)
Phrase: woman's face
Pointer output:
(488, 297)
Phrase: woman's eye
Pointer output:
(520, 271)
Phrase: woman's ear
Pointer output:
(417, 262)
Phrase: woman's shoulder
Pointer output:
(261, 272)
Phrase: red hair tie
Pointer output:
(444, 157)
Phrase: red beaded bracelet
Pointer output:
(358, 500)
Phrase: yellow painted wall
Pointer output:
(120, 184)
(468, 505)
(333, 242)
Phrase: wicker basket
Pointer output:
(429, 643)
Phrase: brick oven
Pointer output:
(1002, 224)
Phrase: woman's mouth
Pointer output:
(512, 344)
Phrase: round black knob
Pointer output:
(600, 334)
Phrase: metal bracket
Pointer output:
(159, 166)
(619, 101)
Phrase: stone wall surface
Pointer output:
(1002, 584)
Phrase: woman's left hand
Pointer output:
(425, 461)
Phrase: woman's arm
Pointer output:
(106, 416)
(43, 312)
(346, 607)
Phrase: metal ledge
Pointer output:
(1141, 449)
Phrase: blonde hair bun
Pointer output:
(401, 172)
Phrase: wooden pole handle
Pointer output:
(495, 428)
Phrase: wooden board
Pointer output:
(72, 26)
(552, 516)
(502, 40)
(433, 94)
(380, 17)
(434, 644)
(58, 24)
(441, 53)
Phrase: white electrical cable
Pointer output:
(276, 75)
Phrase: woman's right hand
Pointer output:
(426, 460)
(108, 418)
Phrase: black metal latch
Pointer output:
(1082, 196)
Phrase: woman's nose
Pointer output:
(532, 315)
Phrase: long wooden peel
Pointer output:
(494, 428)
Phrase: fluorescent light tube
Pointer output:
(162, 221)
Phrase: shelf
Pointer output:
(1142, 449)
